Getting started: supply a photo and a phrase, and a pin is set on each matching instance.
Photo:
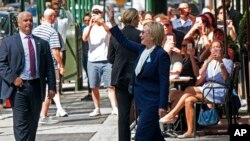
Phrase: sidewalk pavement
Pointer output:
(78, 126)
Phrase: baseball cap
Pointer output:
(97, 7)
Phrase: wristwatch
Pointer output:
(222, 65)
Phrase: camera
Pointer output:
(216, 51)
(189, 48)
(175, 11)
(170, 38)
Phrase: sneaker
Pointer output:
(243, 102)
(1, 117)
(61, 113)
(114, 112)
(47, 120)
(96, 112)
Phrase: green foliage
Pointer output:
(242, 37)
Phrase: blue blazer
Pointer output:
(12, 63)
(151, 85)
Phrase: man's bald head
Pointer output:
(48, 12)
(22, 15)
(25, 22)
(49, 15)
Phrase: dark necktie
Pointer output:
(32, 58)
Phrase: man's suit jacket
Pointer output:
(122, 59)
(151, 85)
(12, 63)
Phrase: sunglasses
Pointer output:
(142, 32)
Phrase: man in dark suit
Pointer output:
(123, 62)
(25, 66)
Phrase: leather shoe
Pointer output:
(168, 121)
(183, 136)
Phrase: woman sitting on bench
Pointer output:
(215, 72)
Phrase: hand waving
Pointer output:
(111, 15)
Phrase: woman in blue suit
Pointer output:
(151, 81)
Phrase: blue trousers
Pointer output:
(26, 103)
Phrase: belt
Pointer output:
(31, 81)
(212, 81)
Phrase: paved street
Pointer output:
(78, 126)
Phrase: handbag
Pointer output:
(208, 117)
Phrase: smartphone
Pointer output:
(220, 25)
(170, 38)
(198, 20)
(228, 22)
(175, 11)
(217, 51)
(189, 48)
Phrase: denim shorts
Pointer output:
(97, 71)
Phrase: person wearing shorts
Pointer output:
(98, 66)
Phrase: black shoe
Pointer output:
(87, 98)
(53, 102)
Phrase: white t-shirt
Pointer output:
(63, 24)
(98, 44)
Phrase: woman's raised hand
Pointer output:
(168, 46)
(111, 15)
(211, 57)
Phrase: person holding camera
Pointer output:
(215, 72)
(231, 31)
(98, 66)
(200, 31)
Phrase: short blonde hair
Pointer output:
(157, 31)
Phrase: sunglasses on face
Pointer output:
(180, 8)
(183, 46)
(143, 32)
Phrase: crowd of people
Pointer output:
(134, 63)
(195, 48)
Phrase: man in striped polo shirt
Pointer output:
(48, 33)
